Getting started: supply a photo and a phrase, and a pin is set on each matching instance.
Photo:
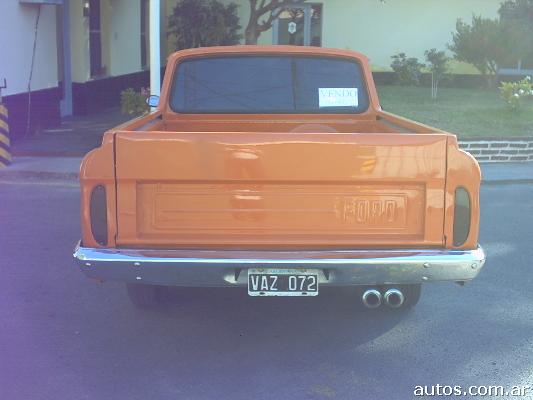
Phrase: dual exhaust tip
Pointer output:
(393, 298)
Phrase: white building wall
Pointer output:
(106, 26)
(381, 29)
(17, 27)
(120, 24)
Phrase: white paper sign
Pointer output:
(338, 97)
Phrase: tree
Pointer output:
(262, 14)
(486, 44)
(517, 15)
(438, 65)
(202, 23)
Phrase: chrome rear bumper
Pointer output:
(228, 267)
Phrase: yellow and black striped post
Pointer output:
(5, 153)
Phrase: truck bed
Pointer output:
(380, 122)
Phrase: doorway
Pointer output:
(64, 67)
(95, 39)
(299, 25)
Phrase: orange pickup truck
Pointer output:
(275, 169)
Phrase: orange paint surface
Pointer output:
(278, 181)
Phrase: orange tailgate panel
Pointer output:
(279, 189)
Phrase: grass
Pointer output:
(468, 113)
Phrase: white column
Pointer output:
(155, 47)
(66, 103)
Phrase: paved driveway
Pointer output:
(65, 337)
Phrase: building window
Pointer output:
(300, 25)
(144, 34)
(95, 39)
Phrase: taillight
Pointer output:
(98, 209)
(461, 216)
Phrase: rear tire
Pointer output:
(144, 296)
(412, 294)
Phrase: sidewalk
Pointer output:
(45, 168)
(73, 138)
(67, 168)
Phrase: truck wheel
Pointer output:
(143, 296)
(412, 294)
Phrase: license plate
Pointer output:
(282, 282)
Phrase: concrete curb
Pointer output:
(41, 175)
(49, 154)
(494, 182)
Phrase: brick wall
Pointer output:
(499, 150)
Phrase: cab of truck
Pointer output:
(274, 168)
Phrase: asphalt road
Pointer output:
(65, 337)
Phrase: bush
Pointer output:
(134, 103)
(202, 23)
(407, 70)
(513, 93)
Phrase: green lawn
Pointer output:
(465, 112)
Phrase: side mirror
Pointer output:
(153, 101)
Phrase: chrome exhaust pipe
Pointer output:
(394, 298)
(371, 298)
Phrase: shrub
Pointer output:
(513, 93)
(438, 65)
(486, 44)
(134, 103)
(407, 70)
(202, 23)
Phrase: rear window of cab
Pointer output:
(269, 84)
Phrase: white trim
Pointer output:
(155, 47)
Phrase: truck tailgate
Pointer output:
(278, 190)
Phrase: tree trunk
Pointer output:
(492, 76)
(251, 33)
(491, 80)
